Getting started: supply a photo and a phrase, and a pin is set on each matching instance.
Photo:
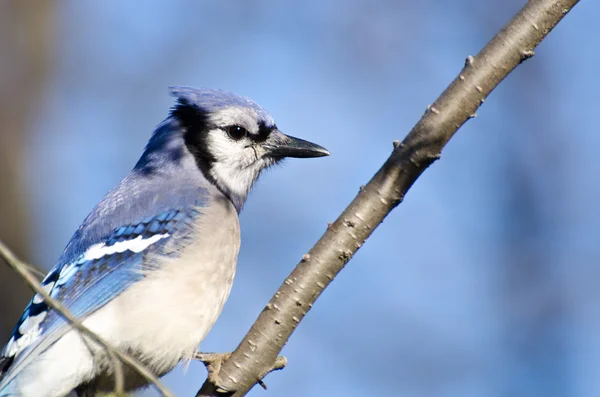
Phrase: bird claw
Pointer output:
(213, 362)
(280, 363)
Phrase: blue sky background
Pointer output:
(482, 283)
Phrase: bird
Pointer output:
(152, 265)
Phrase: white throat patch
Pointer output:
(237, 163)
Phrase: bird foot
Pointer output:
(213, 362)
(280, 363)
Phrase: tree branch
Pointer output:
(457, 104)
(117, 357)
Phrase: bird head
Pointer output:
(233, 139)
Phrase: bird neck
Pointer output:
(169, 154)
(232, 185)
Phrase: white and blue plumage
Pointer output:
(150, 268)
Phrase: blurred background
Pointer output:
(482, 283)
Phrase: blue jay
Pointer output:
(152, 265)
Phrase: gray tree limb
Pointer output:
(481, 74)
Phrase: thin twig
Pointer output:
(117, 357)
(35, 271)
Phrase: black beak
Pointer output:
(279, 145)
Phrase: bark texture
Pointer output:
(257, 352)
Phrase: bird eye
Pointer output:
(236, 132)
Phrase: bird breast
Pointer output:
(163, 318)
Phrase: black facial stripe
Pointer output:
(196, 125)
(263, 132)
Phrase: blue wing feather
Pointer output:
(86, 283)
